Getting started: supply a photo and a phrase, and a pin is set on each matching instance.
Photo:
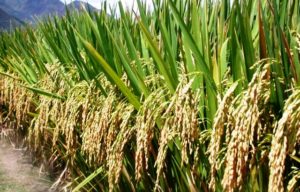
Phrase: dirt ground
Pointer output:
(17, 174)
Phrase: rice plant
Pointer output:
(194, 95)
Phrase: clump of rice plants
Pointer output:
(189, 96)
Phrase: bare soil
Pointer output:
(17, 174)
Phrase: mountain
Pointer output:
(79, 5)
(8, 21)
(27, 9)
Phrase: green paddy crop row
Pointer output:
(190, 96)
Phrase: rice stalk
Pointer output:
(220, 122)
(96, 128)
(116, 151)
(246, 123)
(17, 98)
(49, 110)
(145, 127)
(180, 122)
(286, 136)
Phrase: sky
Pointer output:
(97, 3)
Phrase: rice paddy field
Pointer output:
(194, 95)
(17, 174)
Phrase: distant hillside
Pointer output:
(27, 9)
(8, 21)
